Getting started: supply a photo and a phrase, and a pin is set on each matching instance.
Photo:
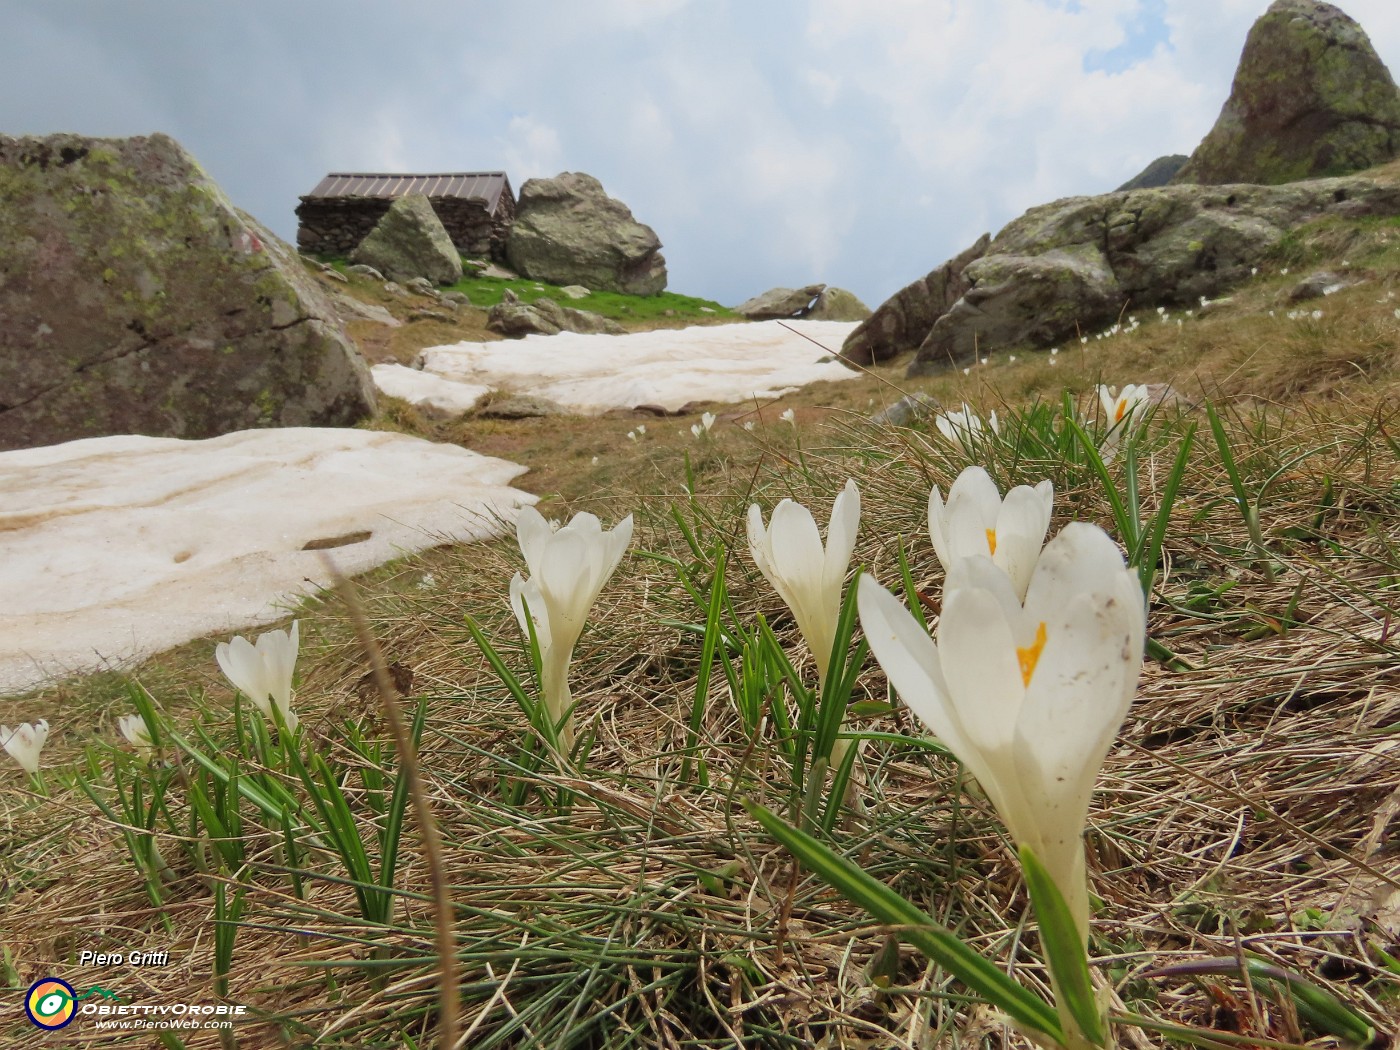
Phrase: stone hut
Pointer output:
(476, 207)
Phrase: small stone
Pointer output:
(520, 406)
(908, 409)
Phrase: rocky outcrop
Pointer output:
(1310, 98)
(410, 242)
(135, 299)
(902, 321)
(778, 303)
(837, 304)
(817, 302)
(1160, 172)
(515, 319)
(1075, 265)
(567, 230)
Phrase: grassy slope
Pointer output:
(1252, 801)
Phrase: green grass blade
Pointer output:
(935, 941)
(1064, 948)
(707, 660)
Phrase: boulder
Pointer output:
(519, 406)
(422, 286)
(1074, 265)
(135, 299)
(1310, 98)
(1160, 172)
(908, 409)
(575, 291)
(837, 304)
(1020, 298)
(1316, 285)
(411, 242)
(901, 322)
(778, 303)
(513, 318)
(567, 230)
(351, 309)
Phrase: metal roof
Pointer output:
(481, 185)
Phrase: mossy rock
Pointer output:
(1076, 265)
(1311, 98)
(138, 300)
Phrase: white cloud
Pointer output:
(531, 149)
(824, 87)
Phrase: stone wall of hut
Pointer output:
(336, 225)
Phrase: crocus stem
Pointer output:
(558, 698)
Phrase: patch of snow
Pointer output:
(429, 392)
(672, 367)
(117, 548)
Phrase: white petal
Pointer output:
(1081, 559)
(795, 546)
(971, 512)
(615, 545)
(912, 663)
(759, 545)
(523, 592)
(243, 667)
(532, 532)
(841, 537)
(978, 650)
(568, 584)
(909, 659)
(938, 528)
(1020, 530)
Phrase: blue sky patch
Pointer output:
(1144, 31)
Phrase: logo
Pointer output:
(51, 1003)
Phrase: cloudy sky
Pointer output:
(768, 142)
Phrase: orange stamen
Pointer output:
(992, 540)
(1030, 656)
(1122, 410)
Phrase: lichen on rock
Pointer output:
(1310, 98)
(135, 299)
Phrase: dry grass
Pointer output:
(1252, 804)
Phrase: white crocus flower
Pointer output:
(789, 416)
(965, 427)
(1129, 403)
(1029, 698)
(263, 672)
(1124, 414)
(975, 520)
(133, 727)
(568, 568)
(807, 575)
(24, 742)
